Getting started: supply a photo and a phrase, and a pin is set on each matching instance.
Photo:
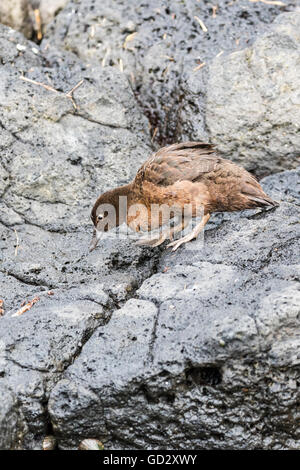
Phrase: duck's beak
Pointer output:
(95, 240)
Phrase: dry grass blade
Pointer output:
(199, 67)
(166, 71)
(1, 309)
(26, 307)
(70, 93)
(129, 38)
(214, 10)
(38, 23)
(270, 2)
(105, 57)
(17, 244)
(154, 134)
(203, 27)
(169, 58)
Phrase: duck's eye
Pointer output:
(100, 217)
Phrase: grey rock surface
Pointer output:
(57, 156)
(253, 96)
(207, 354)
(37, 346)
(49, 10)
(21, 14)
(16, 14)
(161, 47)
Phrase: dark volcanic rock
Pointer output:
(37, 346)
(160, 48)
(57, 155)
(8, 414)
(207, 356)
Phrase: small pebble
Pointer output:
(49, 443)
(91, 444)
(20, 47)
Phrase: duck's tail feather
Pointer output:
(256, 196)
(265, 201)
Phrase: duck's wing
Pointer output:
(187, 161)
(232, 187)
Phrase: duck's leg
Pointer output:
(169, 234)
(155, 240)
(194, 234)
(166, 234)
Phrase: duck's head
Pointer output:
(109, 211)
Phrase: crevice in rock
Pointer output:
(94, 121)
(14, 134)
(33, 224)
(9, 227)
(196, 376)
(165, 397)
(27, 281)
(153, 334)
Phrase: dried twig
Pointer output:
(26, 307)
(1, 305)
(70, 93)
(203, 27)
(48, 87)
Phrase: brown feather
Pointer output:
(205, 178)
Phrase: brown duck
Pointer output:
(191, 179)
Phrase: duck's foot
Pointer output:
(167, 234)
(154, 241)
(194, 234)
